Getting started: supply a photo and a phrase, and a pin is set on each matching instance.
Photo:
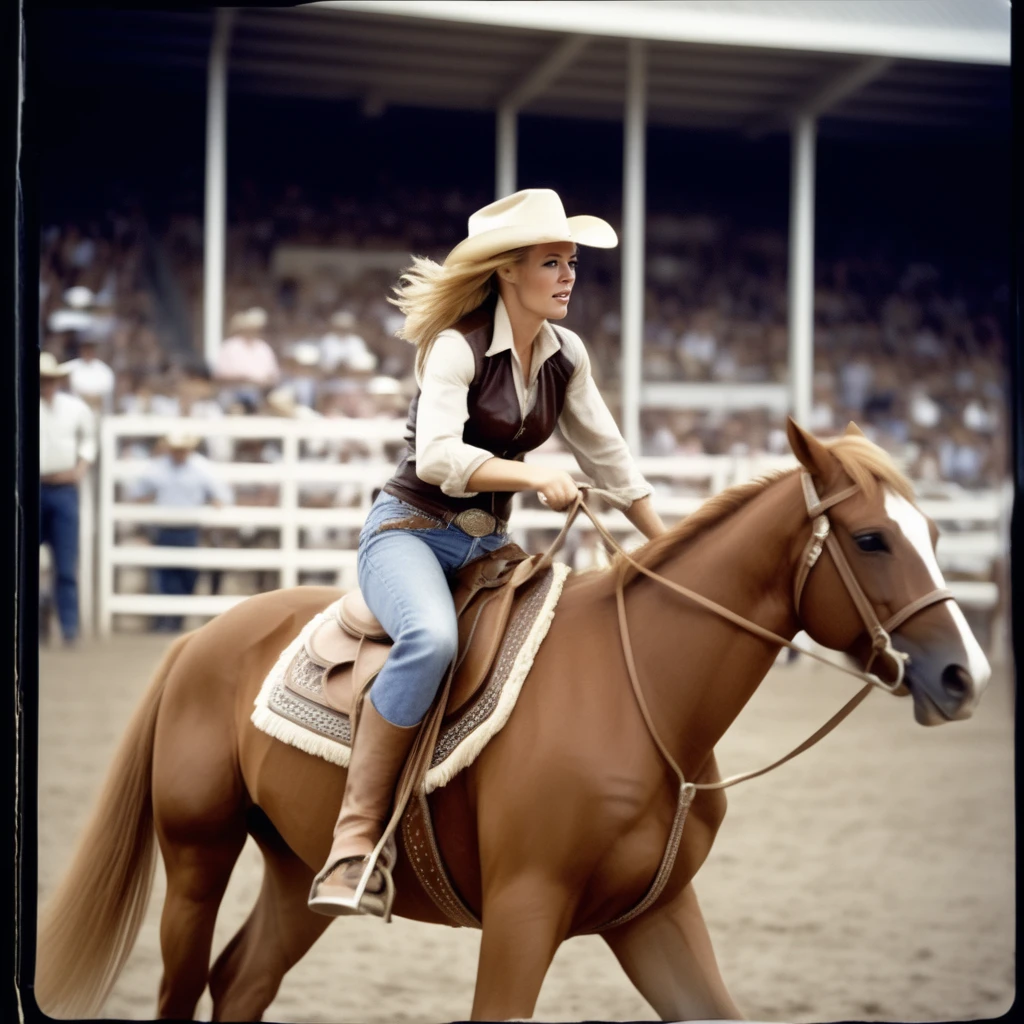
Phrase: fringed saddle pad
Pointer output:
(290, 705)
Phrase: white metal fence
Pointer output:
(970, 521)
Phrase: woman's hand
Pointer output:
(557, 488)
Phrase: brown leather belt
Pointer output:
(476, 522)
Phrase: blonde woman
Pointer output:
(495, 378)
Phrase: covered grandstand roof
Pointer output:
(868, 66)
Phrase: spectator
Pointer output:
(67, 447)
(90, 378)
(343, 347)
(244, 357)
(181, 478)
(300, 373)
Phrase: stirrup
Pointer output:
(361, 901)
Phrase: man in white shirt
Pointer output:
(67, 448)
(90, 378)
(341, 347)
(244, 357)
(181, 478)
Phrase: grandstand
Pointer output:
(702, 332)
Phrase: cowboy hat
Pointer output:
(180, 440)
(343, 319)
(305, 353)
(529, 217)
(49, 367)
(254, 319)
(282, 400)
(79, 297)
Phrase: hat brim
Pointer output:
(582, 229)
(61, 370)
(181, 442)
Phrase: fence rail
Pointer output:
(977, 517)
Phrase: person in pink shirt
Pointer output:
(244, 357)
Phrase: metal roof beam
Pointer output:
(842, 85)
(827, 95)
(546, 72)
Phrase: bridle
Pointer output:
(821, 538)
(880, 632)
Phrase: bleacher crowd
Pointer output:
(915, 357)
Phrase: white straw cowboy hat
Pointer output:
(49, 367)
(179, 440)
(343, 320)
(250, 319)
(529, 217)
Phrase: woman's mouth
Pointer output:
(562, 297)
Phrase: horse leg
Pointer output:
(524, 923)
(667, 955)
(278, 933)
(197, 875)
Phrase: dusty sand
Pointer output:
(873, 878)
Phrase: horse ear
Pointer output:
(810, 452)
(852, 428)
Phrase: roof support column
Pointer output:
(216, 185)
(506, 158)
(634, 173)
(801, 268)
(532, 85)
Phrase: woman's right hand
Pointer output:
(556, 487)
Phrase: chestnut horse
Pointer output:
(560, 824)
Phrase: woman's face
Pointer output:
(542, 281)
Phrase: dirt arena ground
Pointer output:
(873, 878)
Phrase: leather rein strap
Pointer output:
(821, 537)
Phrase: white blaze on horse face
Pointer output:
(914, 526)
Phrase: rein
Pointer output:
(821, 538)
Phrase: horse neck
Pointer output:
(701, 672)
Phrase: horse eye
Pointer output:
(871, 542)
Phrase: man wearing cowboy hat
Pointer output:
(180, 478)
(89, 377)
(244, 357)
(67, 447)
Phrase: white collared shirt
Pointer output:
(92, 378)
(586, 424)
(67, 433)
(185, 485)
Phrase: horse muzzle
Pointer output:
(943, 688)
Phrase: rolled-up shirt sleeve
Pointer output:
(442, 457)
(86, 448)
(592, 435)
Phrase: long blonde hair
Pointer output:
(434, 297)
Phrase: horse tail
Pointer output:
(90, 923)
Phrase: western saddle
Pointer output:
(352, 646)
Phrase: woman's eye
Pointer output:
(871, 542)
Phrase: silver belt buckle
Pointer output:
(475, 522)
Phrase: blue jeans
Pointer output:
(58, 527)
(175, 579)
(405, 577)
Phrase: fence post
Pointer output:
(87, 553)
(105, 526)
(289, 507)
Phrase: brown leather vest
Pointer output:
(494, 423)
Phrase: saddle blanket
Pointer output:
(282, 711)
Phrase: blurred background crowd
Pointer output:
(911, 291)
(913, 355)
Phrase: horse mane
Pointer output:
(867, 465)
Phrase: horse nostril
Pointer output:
(956, 681)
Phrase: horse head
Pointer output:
(889, 547)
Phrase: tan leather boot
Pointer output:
(378, 754)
